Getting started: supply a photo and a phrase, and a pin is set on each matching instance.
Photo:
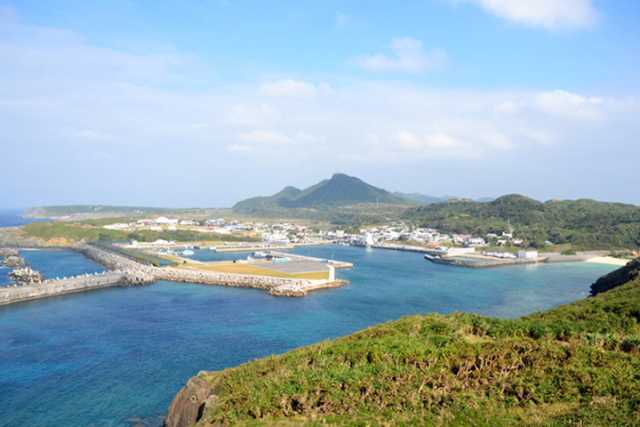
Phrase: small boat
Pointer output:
(188, 252)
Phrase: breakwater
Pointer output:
(481, 264)
(144, 274)
(63, 286)
(277, 286)
(129, 272)
(330, 262)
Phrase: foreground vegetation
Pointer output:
(574, 365)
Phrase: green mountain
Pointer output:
(340, 190)
(578, 364)
(584, 223)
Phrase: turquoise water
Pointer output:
(105, 357)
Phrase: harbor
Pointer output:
(127, 271)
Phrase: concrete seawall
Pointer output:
(277, 286)
(481, 264)
(61, 287)
(127, 272)
(140, 274)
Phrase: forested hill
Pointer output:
(584, 223)
(340, 190)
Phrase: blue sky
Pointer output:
(205, 103)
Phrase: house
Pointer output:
(476, 241)
(215, 221)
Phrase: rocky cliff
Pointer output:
(629, 272)
(17, 238)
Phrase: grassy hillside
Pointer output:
(576, 365)
(585, 224)
(107, 211)
(92, 230)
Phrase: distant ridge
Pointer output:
(583, 223)
(423, 199)
(340, 190)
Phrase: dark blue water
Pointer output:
(104, 357)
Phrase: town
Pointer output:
(394, 235)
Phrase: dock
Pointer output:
(249, 248)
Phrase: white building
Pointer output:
(528, 254)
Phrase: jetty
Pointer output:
(62, 286)
(336, 264)
(456, 262)
(126, 271)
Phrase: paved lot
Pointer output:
(294, 267)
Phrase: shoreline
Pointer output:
(609, 261)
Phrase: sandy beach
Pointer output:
(608, 260)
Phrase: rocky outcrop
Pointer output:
(4, 253)
(26, 276)
(616, 278)
(189, 405)
(14, 261)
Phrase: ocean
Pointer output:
(117, 357)
(12, 218)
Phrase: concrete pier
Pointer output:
(127, 272)
(251, 248)
(61, 287)
(332, 263)
(480, 264)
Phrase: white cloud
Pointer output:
(408, 140)
(264, 137)
(507, 108)
(539, 135)
(239, 148)
(289, 89)
(305, 136)
(567, 104)
(552, 15)
(409, 58)
(443, 142)
(252, 116)
(498, 141)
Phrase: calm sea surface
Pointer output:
(110, 357)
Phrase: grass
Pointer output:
(241, 268)
(92, 230)
(576, 365)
